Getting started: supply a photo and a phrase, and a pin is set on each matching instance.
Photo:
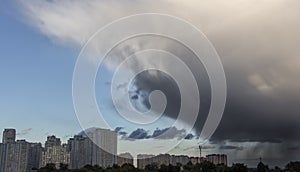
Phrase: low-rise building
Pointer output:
(124, 158)
(143, 160)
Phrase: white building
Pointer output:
(105, 144)
(99, 147)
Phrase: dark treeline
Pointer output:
(203, 167)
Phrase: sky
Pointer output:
(257, 41)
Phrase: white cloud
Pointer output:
(259, 83)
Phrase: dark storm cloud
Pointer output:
(261, 64)
(263, 87)
(118, 129)
(138, 134)
(134, 97)
(262, 102)
(122, 133)
(165, 133)
(294, 148)
(189, 136)
(159, 132)
(148, 81)
(263, 92)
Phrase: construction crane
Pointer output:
(200, 148)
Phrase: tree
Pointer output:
(277, 169)
(151, 167)
(207, 166)
(239, 168)
(115, 166)
(87, 168)
(63, 166)
(293, 167)
(188, 166)
(48, 168)
(128, 168)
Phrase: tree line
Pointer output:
(189, 167)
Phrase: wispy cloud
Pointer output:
(24, 132)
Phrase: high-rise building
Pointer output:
(9, 136)
(217, 159)
(34, 156)
(99, 147)
(15, 156)
(104, 147)
(81, 151)
(2, 155)
(20, 156)
(56, 155)
(52, 141)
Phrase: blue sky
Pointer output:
(36, 80)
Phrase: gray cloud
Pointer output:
(166, 133)
(118, 129)
(122, 133)
(189, 136)
(139, 134)
(230, 147)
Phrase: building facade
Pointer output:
(98, 147)
(15, 156)
(217, 159)
(80, 150)
(34, 156)
(56, 155)
(20, 155)
(52, 141)
(104, 147)
(143, 160)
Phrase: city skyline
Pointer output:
(82, 150)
